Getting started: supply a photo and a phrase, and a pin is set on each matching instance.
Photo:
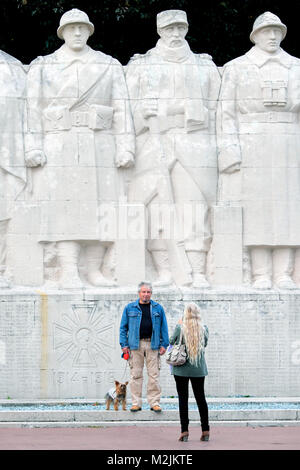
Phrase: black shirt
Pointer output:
(146, 322)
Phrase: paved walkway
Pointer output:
(150, 438)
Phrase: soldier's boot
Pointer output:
(94, 259)
(4, 282)
(197, 261)
(68, 254)
(261, 261)
(283, 266)
(162, 265)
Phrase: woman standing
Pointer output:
(195, 336)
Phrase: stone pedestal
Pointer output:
(63, 344)
(227, 245)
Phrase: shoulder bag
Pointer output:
(176, 356)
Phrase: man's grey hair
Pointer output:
(144, 283)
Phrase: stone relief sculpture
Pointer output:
(80, 137)
(12, 165)
(259, 141)
(173, 95)
(79, 133)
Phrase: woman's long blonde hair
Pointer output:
(193, 332)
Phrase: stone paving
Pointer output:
(150, 438)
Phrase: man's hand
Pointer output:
(35, 158)
(125, 350)
(162, 350)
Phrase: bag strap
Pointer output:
(181, 335)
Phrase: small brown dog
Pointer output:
(116, 395)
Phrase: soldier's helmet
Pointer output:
(267, 19)
(74, 16)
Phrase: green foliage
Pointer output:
(125, 27)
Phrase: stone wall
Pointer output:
(65, 345)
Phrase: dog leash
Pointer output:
(125, 368)
(124, 371)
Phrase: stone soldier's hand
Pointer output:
(162, 350)
(233, 168)
(150, 108)
(35, 158)
(125, 160)
(230, 159)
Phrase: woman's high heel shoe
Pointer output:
(184, 436)
(205, 436)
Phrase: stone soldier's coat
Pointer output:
(258, 128)
(12, 166)
(184, 86)
(78, 115)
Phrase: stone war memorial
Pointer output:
(167, 169)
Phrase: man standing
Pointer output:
(79, 133)
(144, 334)
(259, 141)
(173, 95)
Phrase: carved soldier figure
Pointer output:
(259, 141)
(173, 96)
(12, 165)
(80, 132)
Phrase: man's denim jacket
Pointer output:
(131, 321)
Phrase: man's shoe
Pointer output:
(135, 408)
(156, 408)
